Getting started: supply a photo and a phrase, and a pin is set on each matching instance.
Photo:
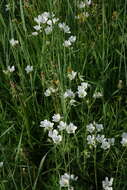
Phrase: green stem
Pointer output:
(95, 170)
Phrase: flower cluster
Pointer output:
(64, 27)
(49, 91)
(70, 41)
(107, 184)
(83, 4)
(11, 69)
(65, 180)
(69, 94)
(46, 22)
(82, 90)
(94, 137)
(55, 136)
(53, 132)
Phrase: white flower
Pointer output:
(55, 137)
(84, 85)
(64, 27)
(29, 69)
(111, 141)
(99, 127)
(72, 177)
(11, 69)
(43, 18)
(100, 138)
(7, 7)
(97, 95)
(81, 5)
(61, 25)
(91, 140)
(105, 144)
(37, 27)
(1, 164)
(72, 39)
(48, 30)
(62, 125)
(56, 117)
(81, 92)
(69, 94)
(49, 22)
(67, 43)
(40, 20)
(65, 180)
(107, 184)
(46, 124)
(34, 33)
(46, 15)
(47, 92)
(90, 128)
(72, 75)
(54, 20)
(53, 90)
(124, 139)
(14, 42)
(71, 128)
(88, 2)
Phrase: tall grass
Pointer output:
(31, 161)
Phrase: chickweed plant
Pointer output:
(63, 95)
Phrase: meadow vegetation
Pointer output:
(63, 95)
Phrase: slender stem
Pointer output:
(95, 170)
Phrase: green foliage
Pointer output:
(31, 161)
